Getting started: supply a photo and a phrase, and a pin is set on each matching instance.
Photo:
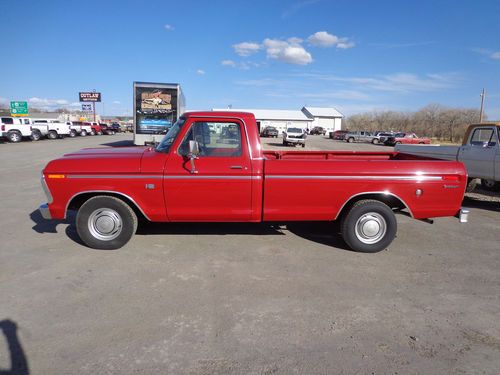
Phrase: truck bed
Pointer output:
(314, 185)
(430, 151)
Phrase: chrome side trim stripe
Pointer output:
(112, 176)
(212, 177)
(171, 177)
(401, 178)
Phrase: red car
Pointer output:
(406, 138)
(196, 174)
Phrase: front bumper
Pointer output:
(295, 140)
(45, 212)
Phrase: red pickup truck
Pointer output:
(210, 167)
(406, 138)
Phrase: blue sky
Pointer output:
(353, 55)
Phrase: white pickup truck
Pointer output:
(14, 130)
(480, 152)
(56, 128)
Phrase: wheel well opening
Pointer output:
(80, 199)
(392, 201)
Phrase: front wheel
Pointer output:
(105, 223)
(14, 136)
(369, 226)
(52, 134)
(72, 133)
(92, 132)
(83, 133)
(375, 141)
(350, 140)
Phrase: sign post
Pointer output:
(19, 108)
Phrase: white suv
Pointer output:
(13, 129)
(294, 136)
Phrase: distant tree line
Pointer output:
(433, 121)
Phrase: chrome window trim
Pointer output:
(104, 191)
(196, 177)
(373, 192)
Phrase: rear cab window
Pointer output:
(483, 137)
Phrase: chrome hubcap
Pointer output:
(371, 228)
(105, 224)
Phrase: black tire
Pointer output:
(303, 145)
(52, 134)
(14, 136)
(72, 133)
(471, 185)
(365, 217)
(350, 140)
(375, 141)
(95, 217)
(83, 133)
(490, 185)
(36, 135)
(92, 132)
(99, 132)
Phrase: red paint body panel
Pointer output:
(255, 185)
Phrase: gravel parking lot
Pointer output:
(242, 298)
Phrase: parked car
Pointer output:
(480, 152)
(13, 130)
(294, 136)
(106, 129)
(338, 134)
(96, 128)
(82, 128)
(358, 136)
(38, 131)
(270, 131)
(116, 127)
(244, 183)
(381, 137)
(405, 138)
(317, 130)
(56, 128)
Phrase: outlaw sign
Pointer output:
(90, 96)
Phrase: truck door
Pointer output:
(220, 188)
(479, 153)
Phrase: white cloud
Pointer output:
(44, 102)
(200, 72)
(495, 55)
(246, 48)
(286, 51)
(169, 27)
(324, 39)
(117, 102)
(230, 63)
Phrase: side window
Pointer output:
(483, 137)
(7, 120)
(216, 139)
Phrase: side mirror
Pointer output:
(194, 148)
(194, 151)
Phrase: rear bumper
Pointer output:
(45, 212)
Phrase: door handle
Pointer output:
(235, 167)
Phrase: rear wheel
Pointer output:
(99, 132)
(490, 184)
(36, 135)
(14, 136)
(303, 145)
(83, 133)
(369, 226)
(350, 140)
(375, 141)
(105, 223)
(92, 132)
(52, 134)
(72, 133)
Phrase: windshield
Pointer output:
(294, 130)
(169, 138)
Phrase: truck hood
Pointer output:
(99, 160)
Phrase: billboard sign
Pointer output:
(86, 107)
(155, 108)
(90, 96)
(19, 108)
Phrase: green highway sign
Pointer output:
(19, 108)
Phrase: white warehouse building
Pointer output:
(328, 118)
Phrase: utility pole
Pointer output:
(483, 94)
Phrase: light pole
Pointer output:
(483, 94)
